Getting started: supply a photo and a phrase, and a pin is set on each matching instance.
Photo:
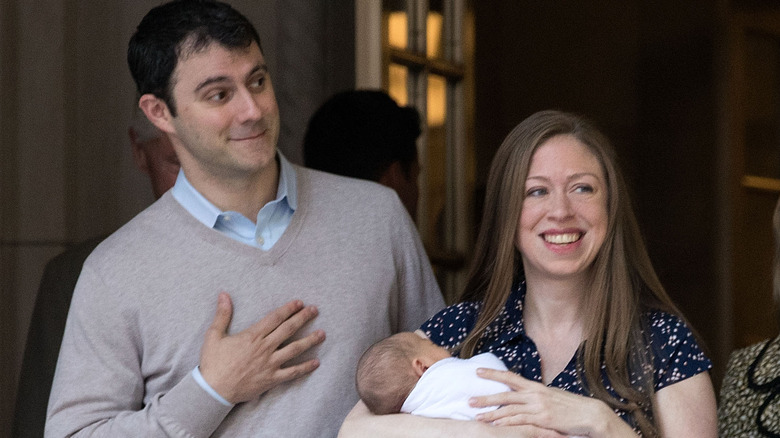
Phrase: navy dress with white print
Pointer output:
(676, 354)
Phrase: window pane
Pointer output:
(434, 31)
(437, 100)
(397, 23)
(397, 76)
(762, 122)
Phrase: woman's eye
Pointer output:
(583, 188)
(536, 192)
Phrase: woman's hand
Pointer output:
(532, 403)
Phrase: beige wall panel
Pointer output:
(40, 128)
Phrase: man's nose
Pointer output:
(249, 108)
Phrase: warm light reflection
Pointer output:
(397, 33)
(433, 35)
(396, 29)
(397, 23)
(437, 100)
(396, 78)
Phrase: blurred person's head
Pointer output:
(365, 134)
(153, 153)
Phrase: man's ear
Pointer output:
(419, 367)
(157, 112)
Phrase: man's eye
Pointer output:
(217, 96)
(258, 83)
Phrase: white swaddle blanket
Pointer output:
(444, 389)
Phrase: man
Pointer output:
(296, 253)
(154, 155)
(365, 134)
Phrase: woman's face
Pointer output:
(564, 218)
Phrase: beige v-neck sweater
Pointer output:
(147, 294)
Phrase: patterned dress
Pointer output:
(676, 354)
(752, 380)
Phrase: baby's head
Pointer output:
(390, 368)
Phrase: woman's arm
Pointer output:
(532, 403)
(687, 408)
(361, 423)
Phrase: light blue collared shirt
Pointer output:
(272, 221)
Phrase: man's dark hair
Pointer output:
(359, 133)
(178, 29)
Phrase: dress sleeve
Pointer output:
(451, 325)
(676, 353)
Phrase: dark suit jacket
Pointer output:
(44, 338)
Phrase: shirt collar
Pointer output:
(207, 213)
(288, 183)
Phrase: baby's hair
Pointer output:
(385, 376)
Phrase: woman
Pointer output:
(561, 288)
(749, 398)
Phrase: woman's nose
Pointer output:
(561, 207)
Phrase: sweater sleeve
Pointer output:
(418, 295)
(99, 387)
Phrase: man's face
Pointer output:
(227, 122)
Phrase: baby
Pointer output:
(408, 373)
